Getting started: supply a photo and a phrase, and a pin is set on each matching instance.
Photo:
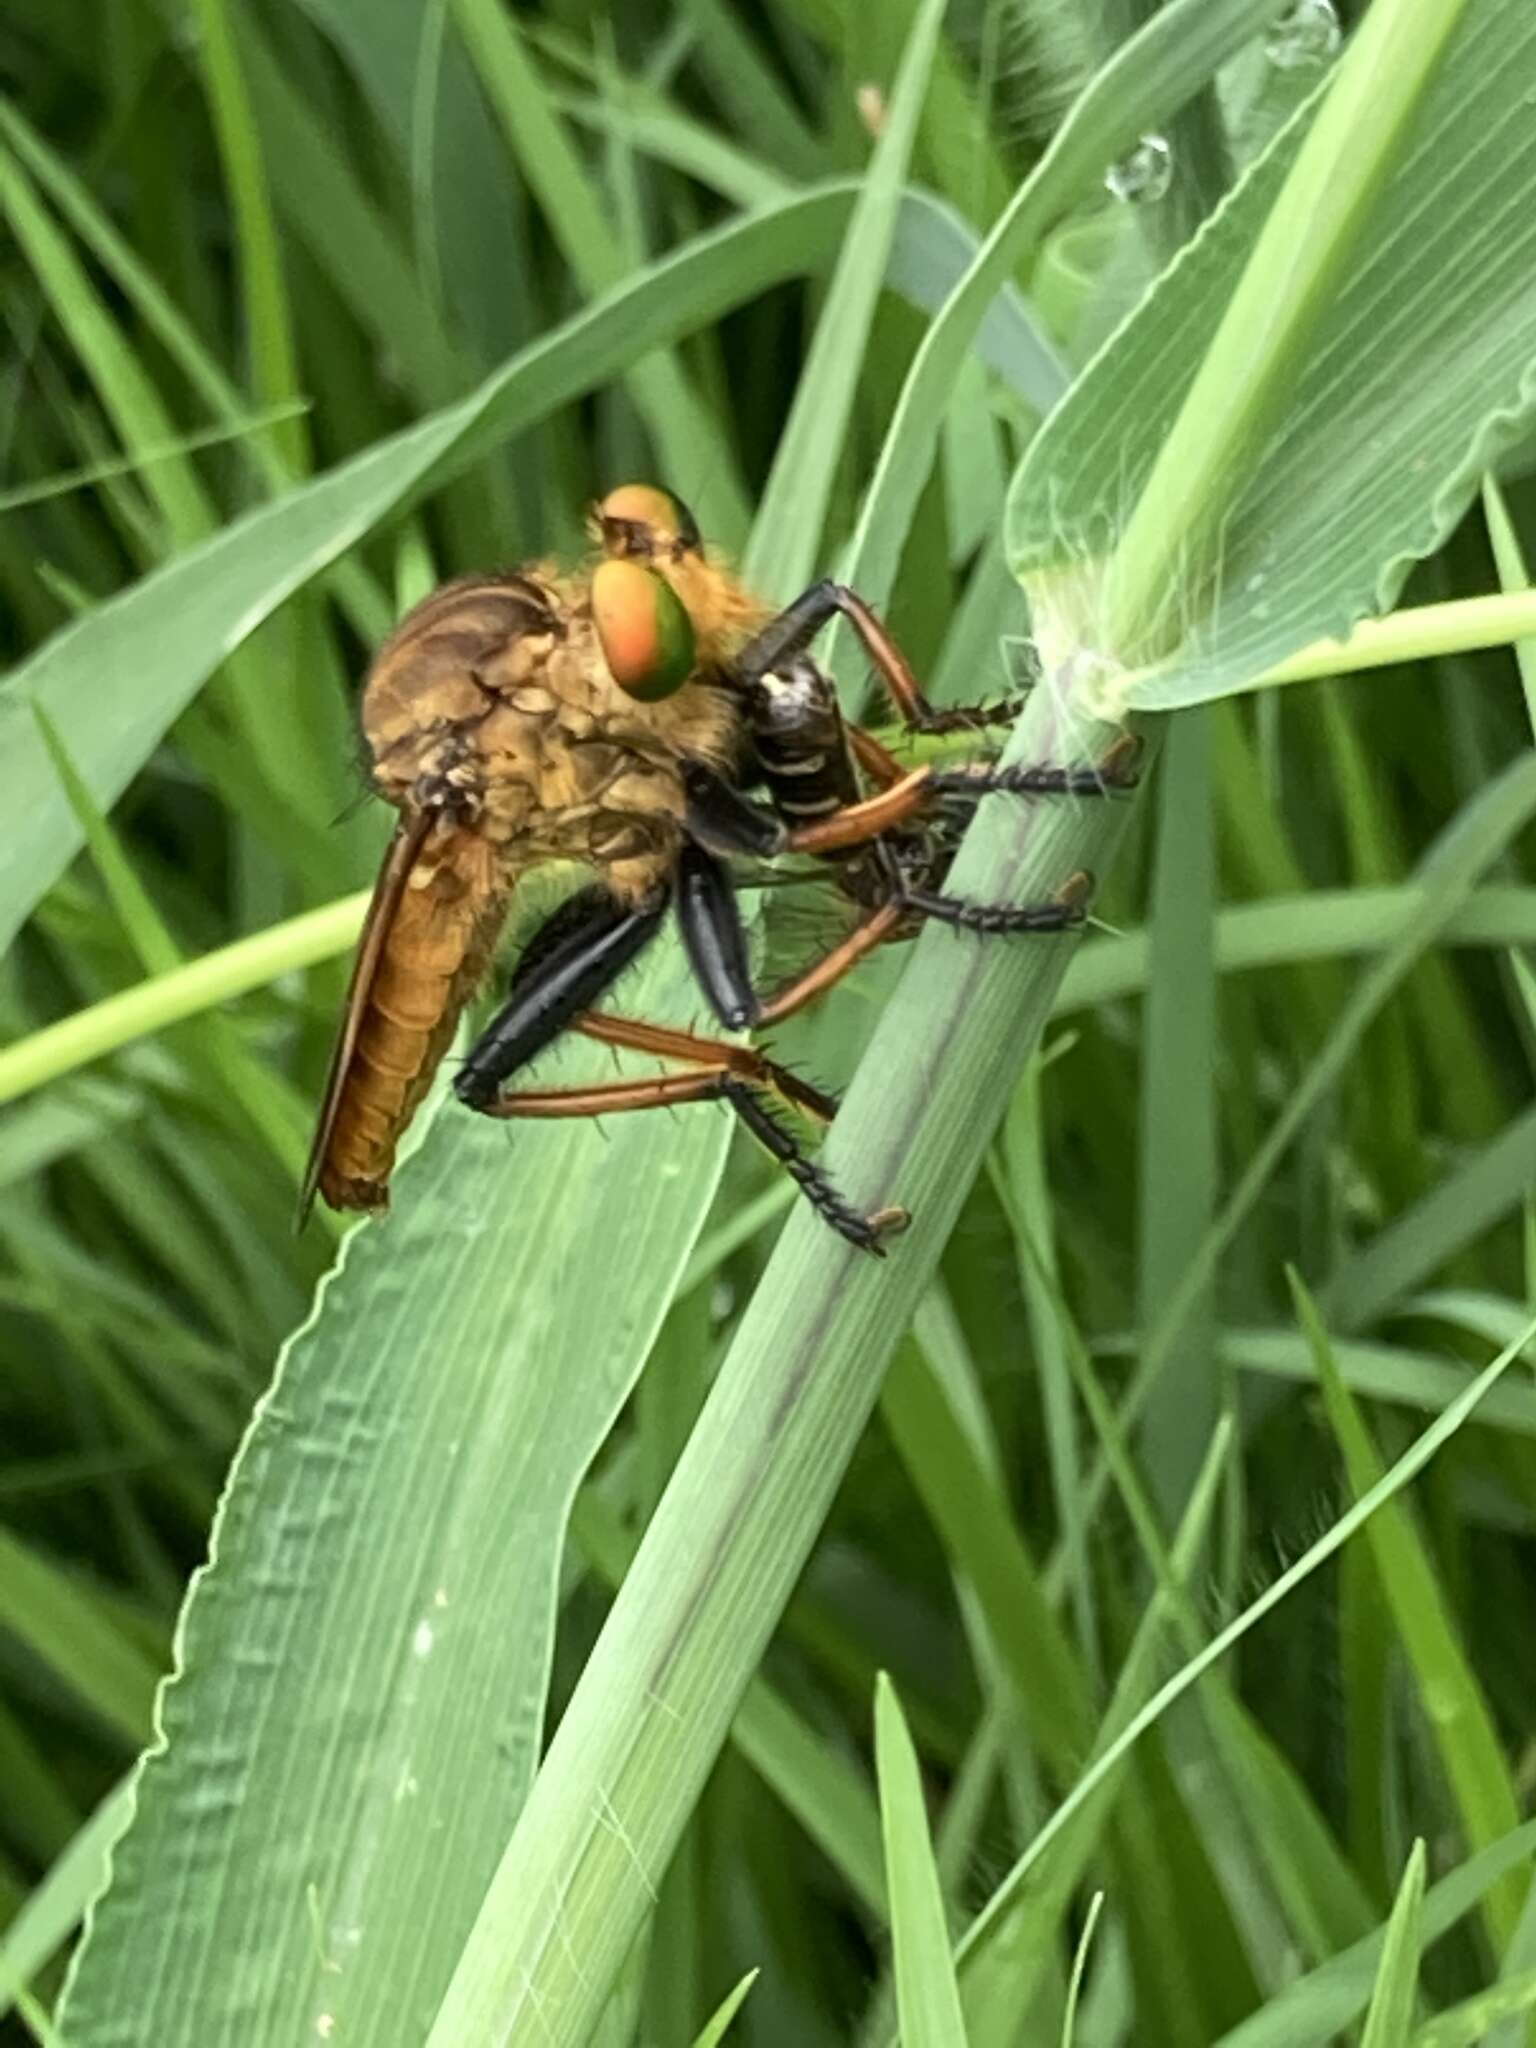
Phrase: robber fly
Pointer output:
(621, 719)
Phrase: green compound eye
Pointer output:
(643, 628)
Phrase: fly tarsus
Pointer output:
(936, 718)
(996, 920)
(867, 1232)
(1112, 776)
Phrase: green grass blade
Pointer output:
(1179, 1137)
(751, 1489)
(348, 232)
(269, 324)
(1390, 2017)
(1474, 2020)
(274, 1113)
(1473, 840)
(1326, 924)
(1154, 73)
(1437, 272)
(786, 535)
(1460, 1722)
(1514, 575)
(126, 391)
(71, 1632)
(1408, 1253)
(1024, 1915)
(927, 1995)
(56, 1908)
(970, 1512)
(752, 90)
(719, 2024)
(688, 442)
(379, 1602)
(1313, 230)
(824, 1789)
(1317, 2007)
(1412, 1462)
(1388, 1372)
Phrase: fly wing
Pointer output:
(410, 836)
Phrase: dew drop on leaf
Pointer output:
(1307, 33)
(1145, 174)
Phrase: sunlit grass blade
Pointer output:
(927, 1995)
(1152, 74)
(1080, 1968)
(719, 2024)
(1515, 575)
(1286, 452)
(1314, 229)
(57, 1906)
(1390, 2017)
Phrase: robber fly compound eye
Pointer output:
(644, 630)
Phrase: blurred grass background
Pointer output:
(249, 241)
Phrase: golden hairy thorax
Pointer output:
(495, 729)
(491, 704)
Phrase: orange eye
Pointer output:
(645, 633)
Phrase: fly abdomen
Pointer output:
(800, 743)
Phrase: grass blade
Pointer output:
(379, 1602)
(927, 1995)
(1390, 2017)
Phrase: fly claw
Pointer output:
(719, 739)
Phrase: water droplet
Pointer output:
(1307, 33)
(1145, 174)
(1021, 663)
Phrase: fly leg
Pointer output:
(857, 824)
(711, 921)
(797, 626)
(1112, 776)
(573, 959)
(906, 798)
(724, 1073)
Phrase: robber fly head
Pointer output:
(664, 606)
